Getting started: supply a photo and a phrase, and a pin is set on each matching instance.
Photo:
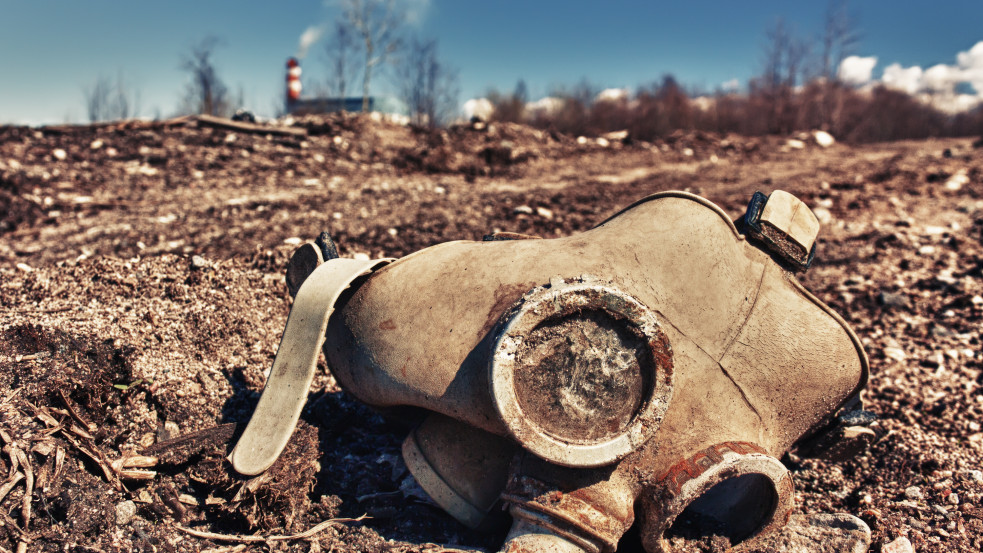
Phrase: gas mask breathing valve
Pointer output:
(657, 365)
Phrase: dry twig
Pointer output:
(10, 396)
(51, 310)
(129, 467)
(25, 461)
(257, 539)
(225, 549)
(195, 441)
(43, 415)
(9, 524)
(99, 459)
(224, 123)
(74, 413)
(52, 430)
(9, 484)
(59, 462)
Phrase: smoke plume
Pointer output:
(307, 39)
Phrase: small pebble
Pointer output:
(824, 215)
(839, 532)
(897, 354)
(900, 545)
(125, 511)
(957, 181)
(890, 299)
(975, 476)
(168, 431)
(914, 493)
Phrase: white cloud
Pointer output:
(906, 79)
(704, 103)
(545, 107)
(971, 63)
(939, 85)
(612, 95)
(478, 107)
(941, 78)
(856, 70)
(950, 103)
(731, 85)
(966, 102)
(973, 57)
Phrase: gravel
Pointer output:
(141, 286)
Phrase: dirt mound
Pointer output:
(142, 300)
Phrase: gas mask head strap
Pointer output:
(286, 389)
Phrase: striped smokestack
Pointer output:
(293, 80)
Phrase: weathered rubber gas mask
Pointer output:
(657, 364)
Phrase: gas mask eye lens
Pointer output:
(583, 377)
(581, 372)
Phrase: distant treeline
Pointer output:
(851, 115)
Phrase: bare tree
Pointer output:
(570, 115)
(107, 101)
(97, 99)
(510, 107)
(377, 23)
(205, 93)
(785, 56)
(840, 37)
(342, 67)
(428, 86)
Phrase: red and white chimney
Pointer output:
(293, 80)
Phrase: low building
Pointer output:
(296, 104)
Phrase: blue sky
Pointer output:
(50, 50)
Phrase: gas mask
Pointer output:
(658, 364)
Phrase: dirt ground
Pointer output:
(142, 299)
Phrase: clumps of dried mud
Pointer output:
(142, 300)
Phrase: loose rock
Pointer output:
(125, 510)
(830, 533)
(892, 300)
(900, 545)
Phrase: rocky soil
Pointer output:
(142, 299)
